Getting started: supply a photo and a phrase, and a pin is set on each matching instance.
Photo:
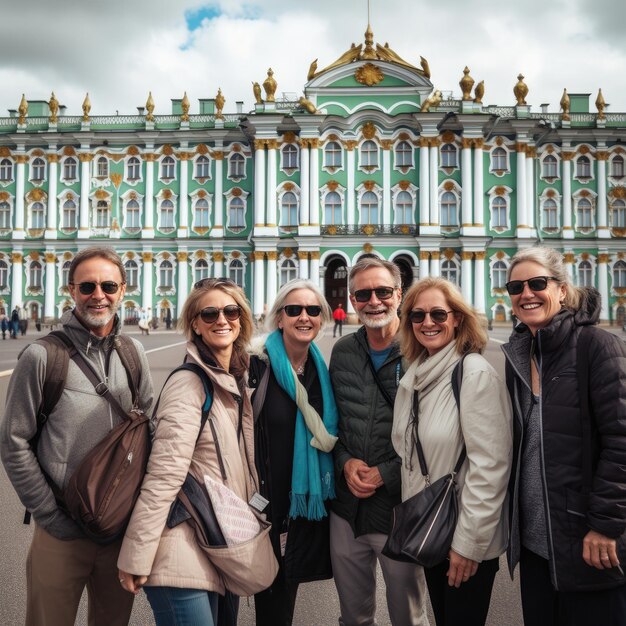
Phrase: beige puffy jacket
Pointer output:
(171, 557)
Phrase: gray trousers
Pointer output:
(354, 569)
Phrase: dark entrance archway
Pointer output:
(336, 282)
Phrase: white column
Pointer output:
(520, 168)
(271, 277)
(17, 280)
(48, 309)
(570, 259)
(303, 264)
(18, 232)
(83, 228)
(435, 263)
(530, 190)
(568, 232)
(148, 219)
(146, 292)
(466, 275)
(314, 184)
(305, 201)
(424, 264)
(350, 213)
(259, 185)
(315, 268)
(424, 178)
(479, 282)
(183, 198)
(218, 198)
(387, 218)
(270, 203)
(259, 284)
(434, 186)
(603, 285)
(466, 185)
(218, 264)
(478, 184)
(52, 219)
(603, 224)
(183, 280)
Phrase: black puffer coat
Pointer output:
(569, 513)
(365, 421)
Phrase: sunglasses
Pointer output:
(382, 293)
(538, 283)
(293, 310)
(439, 316)
(210, 314)
(88, 287)
(213, 282)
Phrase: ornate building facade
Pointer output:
(372, 159)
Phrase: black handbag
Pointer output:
(423, 525)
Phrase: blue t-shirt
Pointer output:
(379, 357)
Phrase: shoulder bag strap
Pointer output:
(260, 393)
(379, 382)
(127, 352)
(586, 412)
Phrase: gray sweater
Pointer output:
(79, 421)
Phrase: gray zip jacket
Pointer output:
(79, 421)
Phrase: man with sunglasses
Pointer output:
(62, 561)
(365, 369)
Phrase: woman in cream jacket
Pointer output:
(437, 328)
(181, 584)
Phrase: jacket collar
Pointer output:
(83, 338)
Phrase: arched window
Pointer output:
(133, 169)
(102, 167)
(236, 214)
(203, 167)
(550, 214)
(200, 270)
(6, 170)
(5, 216)
(369, 208)
(65, 274)
(583, 167)
(202, 213)
(450, 271)
(132, 215)
(35, 275)
(289, 209)
(332, 208)
(332, 154)
(550, 166)
(617, 167)
(166, 275)
(37, 216)
(235, 272)
(449, 209)
(70, 169)
(498, 212)
(498, 160)
(404, 208)
(168, 167)
(369, 154)
(404, 154)
(448, 155)
(102, 214)
(618, 214)
(290, 157)
(68, 221)
(288, 271)
(236, 166)
(132, 274)
(498, 275)
(583, 213)
(585, 274)
(167, 216)
(38, 169)
(4, 275)
(619, 275)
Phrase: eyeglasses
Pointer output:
(210, 314)
(213, 282)
(382, 293)
(439, 316)
(88, 287)
(538, 283)
(293, 310)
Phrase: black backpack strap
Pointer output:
(457, 382)
(586, 412)
(127, 351)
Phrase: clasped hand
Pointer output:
(362, 479)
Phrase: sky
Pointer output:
(119, 50)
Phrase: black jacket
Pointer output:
(570, 514)
(365, 421)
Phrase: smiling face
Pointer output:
(432, 335)
(376, 313)
(536, 308)
(97, 310)
(300, 331)
(221, 334)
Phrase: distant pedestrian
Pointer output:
(15, 322)
(23, 321)
(4, 323)
(339, 315)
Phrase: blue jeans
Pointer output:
(182, 607)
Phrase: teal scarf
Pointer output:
(312, 476)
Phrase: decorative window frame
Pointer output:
(455, 259)
(592, 260)
(341, 192)
(37, 182)
(95, 173)
(194, 165)
(162, 196)
(331, 169)
(30, 228)
(236, 256)
(369, 168)
(500, 191)
(7, 288)
(133, 256)
(500, 143)
(412, 190)
(201, 194)
(288, 146)
(63, 160)
(194, 259)
(166, 180)
(62, 259)
(62, 198)
(126, 197)
(616, 291)
(592, 196)
(11, 179)
(237, 192)
(361, 190)
(450, 186)
(159, 260)
(284, 188)
(93, 200)
(281, 266)
(239, 149)
(10, 200)
(619, 230)
(584, 150)
(30, 289)
(403, 168)
(550, 194)
(498, 257)
(134, 181)
(448, 169)
(507, 309)
(550, 152)
(613, 180)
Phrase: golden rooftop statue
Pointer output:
(466, 83)
(150, 108)
(565, 104)
(86, 108)
(479, 92)
(53, 105)
(520, 91)
(269, 84)
(22, 110)
(433, 100)
(185, 105)
(256, 90)
(600, 105)
(307, 105)
(219, 104)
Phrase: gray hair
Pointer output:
(101, 252)
(552, 261)
(271, 321)
(367, 261)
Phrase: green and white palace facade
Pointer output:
(373, 158)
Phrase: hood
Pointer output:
(82, 336)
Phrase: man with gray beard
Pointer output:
(365, 369)
(62, 560)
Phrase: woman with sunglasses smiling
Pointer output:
(181, 583)
(437, 327)
(295, 427)
(568, 499)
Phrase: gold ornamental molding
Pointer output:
(218, 256)
(569, 258)
(602, 155)
(603, 258)
(436, 255)
(332, 185)
(423, 142)
(315, 255)
(584, 194)
(166, 256)
(202, 149)
(167, 194)
(201, 254)
(288, 186)
(272, 144)
(351, 144)
(448, 185)
(303, 256)
(466, 143)
(150, 157)
(69, 151)
(499, 141)
(303, 143)
(272, 256)
(182, 257)
(259, 144)
(480, 256)
(551, 193)
(448, 137)
(53, 158)
(448, 253)
(4, 151)
(368, 247)
(36, 195)
(17, 257)
(288, 252)
(500, 191)
(101, 194)
(289, 137)
(585, 256)
(618, 192)
(50, 257)
(202, 193)
(236, 192)
(21, 158)
(147, 257)
(550, 149)
(521, 147)
(404, 184)
(4, 196)
(583, 150)
(314, 143)
(257, 256)
(218, 155)
(424, 256)
(116, 179)
(467, 256)
(85, 157)
(567, 156)
(235, 254)
(404, 137)
(132, 151)
(368, 130)
(369, 74)
(37, 153)
(500, 255)
(185, 156)
(369, 184)
(434, 142)
(167, 150)
(34, 255)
